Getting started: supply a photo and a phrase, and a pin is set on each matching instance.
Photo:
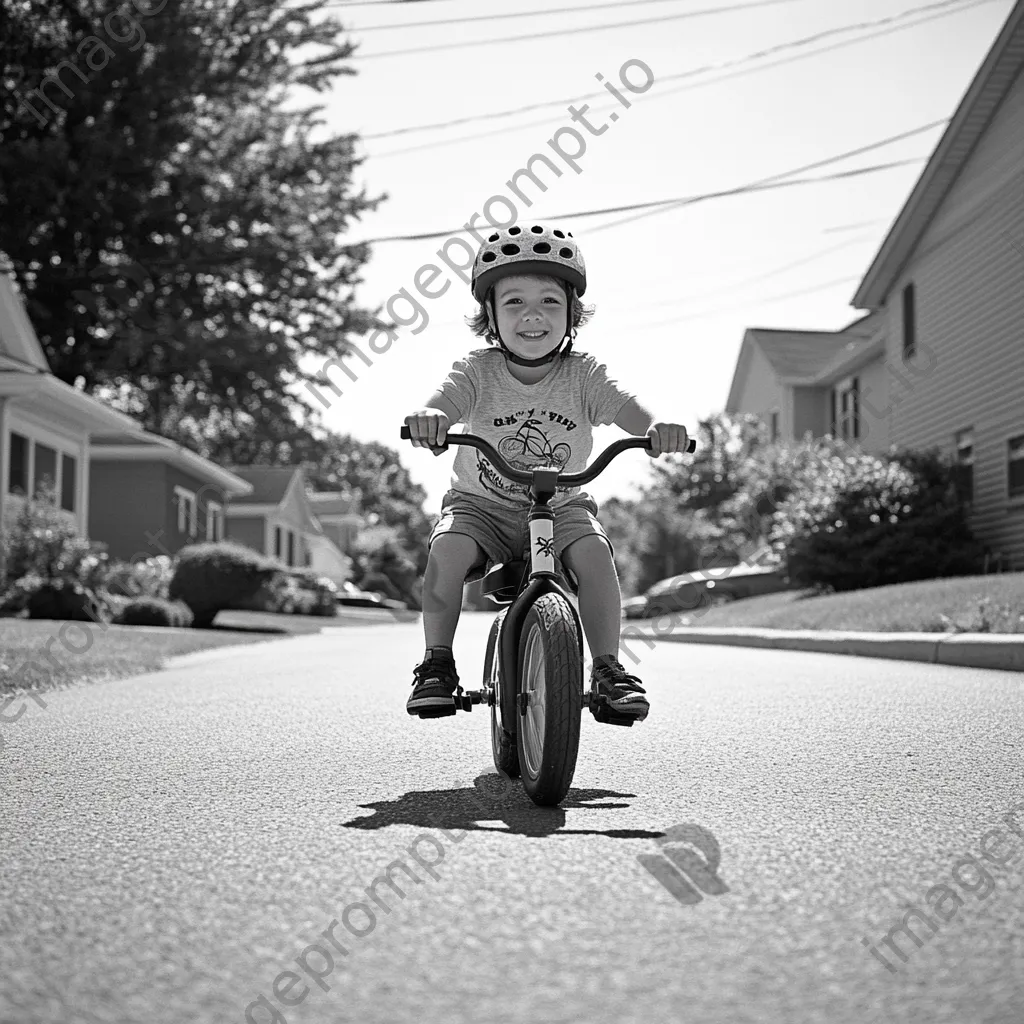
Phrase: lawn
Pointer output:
(122, 651)
(974, 604)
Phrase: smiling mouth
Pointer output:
(532, 335)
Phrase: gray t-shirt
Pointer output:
(544, 424)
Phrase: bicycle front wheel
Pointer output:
(551, 676)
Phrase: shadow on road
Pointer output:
(492, 797)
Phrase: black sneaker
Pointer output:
(434, 683)
(621, 691)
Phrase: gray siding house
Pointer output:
(939, 360)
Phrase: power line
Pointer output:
(736, 64)
(859, 151)
(739, 190)
(504, 40)
(516, 14)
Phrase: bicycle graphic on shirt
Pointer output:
(527, 448)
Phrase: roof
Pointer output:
(18, 339)
(269, 483)
(985, 94)
(332, 503)
(146, 446)
(807, 357)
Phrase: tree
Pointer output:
(176, 229)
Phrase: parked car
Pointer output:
(351, 596)
(686, 592)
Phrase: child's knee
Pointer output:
(454, 551)
(588, 551)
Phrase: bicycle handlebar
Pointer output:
(522, 476)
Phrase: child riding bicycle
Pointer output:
(536, 401)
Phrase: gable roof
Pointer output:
(806, 357)
(992, 83)
(269, 483)
(18, 341)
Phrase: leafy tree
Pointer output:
(174, 220)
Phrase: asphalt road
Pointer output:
(201, 844)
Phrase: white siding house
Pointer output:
(942, 360)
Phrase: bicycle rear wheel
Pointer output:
(503, 744)
(551, 675)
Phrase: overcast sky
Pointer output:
(674, 291)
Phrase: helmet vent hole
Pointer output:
(537, 229)
(558, 234)
(515, 230)
(565, 252)
(542, 247)
(510, 249)
(488, 257)
(494, 237)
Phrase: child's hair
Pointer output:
(479, 325)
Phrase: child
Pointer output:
(536, 401)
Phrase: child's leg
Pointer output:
(451, 557)
(599, 596)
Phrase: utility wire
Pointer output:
(736, 64)
(739, 190)
(797, 170)
(577, 30)
(527, 14)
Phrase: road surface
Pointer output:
(211, 844)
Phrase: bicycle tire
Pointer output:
(503, 744)
(551, 672)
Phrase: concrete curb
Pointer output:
(971, 650)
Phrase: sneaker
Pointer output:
(434, 683)
(622, 692)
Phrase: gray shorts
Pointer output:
(504, 534)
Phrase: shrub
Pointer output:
(213, 577)
(867, 521)
(63, 599)
(155, 611)
(148, 578)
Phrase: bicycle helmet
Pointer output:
(528, 250)
(515, 250)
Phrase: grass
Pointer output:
(122, 651)
(969, 604)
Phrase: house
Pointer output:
(817, 382)
(277, 518)
(336, 513)
(46, 426)
(150, 496)
(943, 348)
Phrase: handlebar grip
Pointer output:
(406, 433)
(691, 445)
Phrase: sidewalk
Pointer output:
(971, 650)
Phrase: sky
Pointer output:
(675, 290)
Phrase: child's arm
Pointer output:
(633, 418)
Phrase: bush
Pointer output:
(868, 522)
(148, 578)
(213, 577)
(155, 611)
(68, 600)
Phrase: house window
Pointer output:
(774, 426)
(46, 469)
(909, 322)
(277, 541)
(964, 470)
(1015, 466)
(186, 511)
(291, 548)
(34, 467)
(17, 474)
(214, 521)
(68, 482)
(846, 409)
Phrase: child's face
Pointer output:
(531, 314)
